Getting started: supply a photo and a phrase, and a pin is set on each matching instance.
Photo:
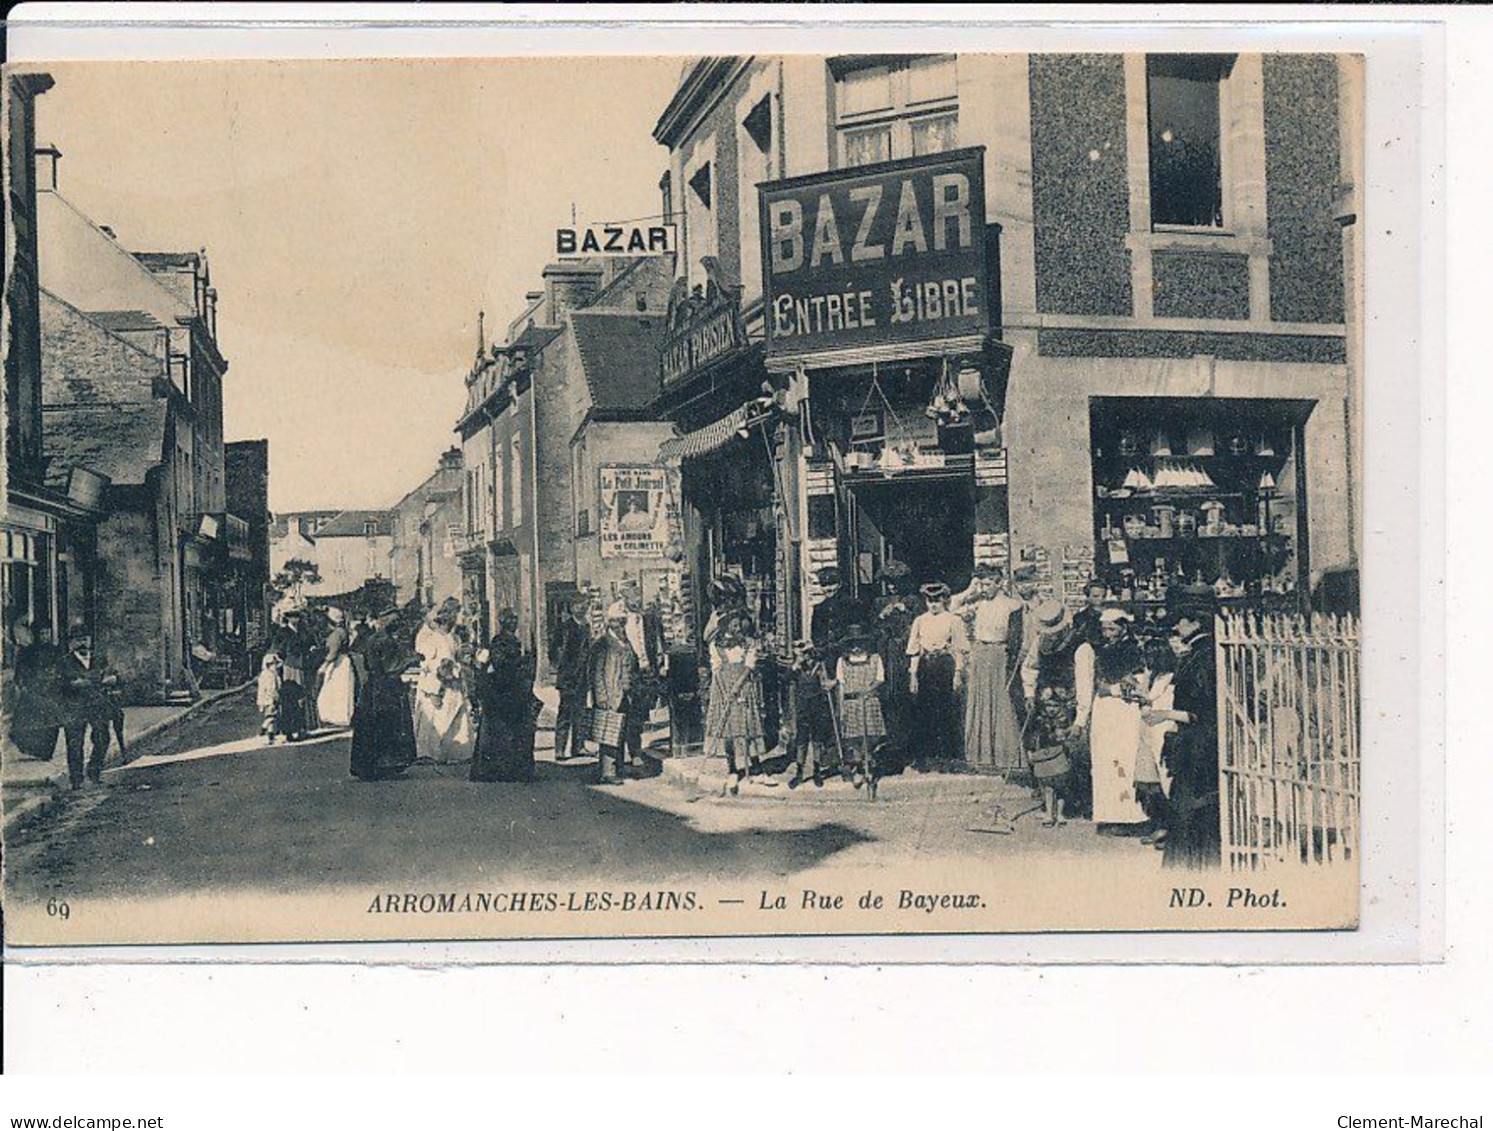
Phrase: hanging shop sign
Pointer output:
(876, 256)
(633, 516)
(703, 328)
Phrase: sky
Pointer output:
(356, 216)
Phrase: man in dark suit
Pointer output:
(570, 678)
(833, 615)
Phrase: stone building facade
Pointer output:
(428, 533)
(133, 388)
(1166, 296)
(526, 399)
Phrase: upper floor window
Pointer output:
(903, 108)
(1184, 108)
(370, 528)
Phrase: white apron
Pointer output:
(334, 702)
(1114, 741)
(443, 717)
(1149, 766)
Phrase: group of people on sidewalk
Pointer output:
(609, 683)
(1099, 722)
(68, 692)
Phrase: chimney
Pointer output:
(450, 460)
(108, 231)
(567, 287)
(47, 157)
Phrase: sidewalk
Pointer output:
(696, 773)
(29, 785)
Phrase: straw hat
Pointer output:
(1051, 616)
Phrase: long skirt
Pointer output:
(505, 747)
(734, 711)
(935, 729)
(861, 718)
(1150, 767)
(1193, 841)
(443, 726)
(1194, 837)
(1114, 743)
(383, 742)
(992, 738)
(336, 699)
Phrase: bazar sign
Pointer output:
(876, 255)
(701, 337)
(616, 240)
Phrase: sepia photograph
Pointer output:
(682, 496)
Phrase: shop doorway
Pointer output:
(927, 524)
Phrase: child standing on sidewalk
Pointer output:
(860, 676)
(268, 697)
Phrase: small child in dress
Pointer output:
(267, 697)
(860, 676)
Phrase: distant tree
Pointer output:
(294, 576)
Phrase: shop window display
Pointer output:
(1198, 491)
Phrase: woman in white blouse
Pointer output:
(992, 736)
(937, 647)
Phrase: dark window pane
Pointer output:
(1186, 183)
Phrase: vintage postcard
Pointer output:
(733, 495)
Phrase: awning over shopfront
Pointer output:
(705, 440)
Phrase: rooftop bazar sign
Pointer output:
(876, 257)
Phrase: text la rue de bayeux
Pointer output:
(630, 901)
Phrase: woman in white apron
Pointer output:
(337, 678)
(1115, 727)
(443, 716)
(1153, 781)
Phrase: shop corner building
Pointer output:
(1167, 292)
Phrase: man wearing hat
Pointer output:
(1191, 754)
(570, 676)
(833, 615)
(1057, 677)
(936, 646)
(613, 669)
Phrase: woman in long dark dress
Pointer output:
(383, 742)
(503, 684)
(1191, 754)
